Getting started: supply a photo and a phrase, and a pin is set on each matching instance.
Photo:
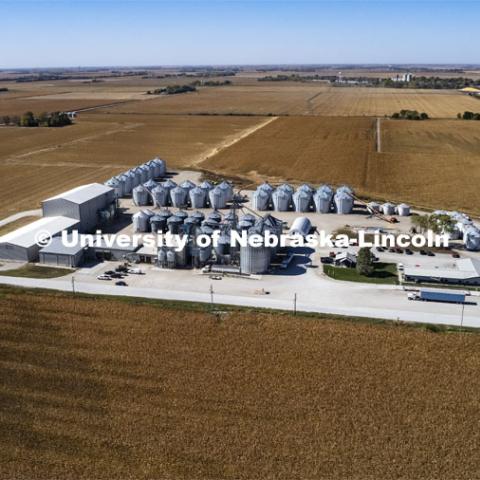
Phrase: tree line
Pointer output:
(410, 115)
(45, 119)
(468, 116)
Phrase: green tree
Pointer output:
(365, 262)
(28, 120)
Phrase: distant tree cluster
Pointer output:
(211, 83)
(410, 115)
(4, 89)
(431, 83)
(29, 119)
(172, 90)
(468, 116)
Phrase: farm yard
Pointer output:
(156, 390)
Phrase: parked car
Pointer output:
(408, 251)
(430, 253)
(116, 275)
(423, 252)
(391, 250)
(109, 272)
(399, 250)
(135, 271)
(103, 277)
(455, 255)
(121, 284)
(380, 249)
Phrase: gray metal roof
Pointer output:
(465, 269)
(83, 193)
(26, 236)
(58, 248)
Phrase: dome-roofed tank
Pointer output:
(140, 222)
(260, 199)
(117, 185)
(305, 188)
(215, 216)
(178, 197)
(140, 195)
(403, 210)
(374, 207)
(144, 173)
(323, 199)
(150, 184)
(287, 187)
(187, 185)
(160, 196)
(302, 200)
(127, 183)
(343, 202)
(471, 239)
(345, 188)
(282, 199)
(228, 189)
(160, 166)
(158, 224)
(267, 187)
(206, 185)
(388, 208)
(197, 197)
(174, 223)
(217, 198)
(198, 215)
(181, 214)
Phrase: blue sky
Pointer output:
(87, 33)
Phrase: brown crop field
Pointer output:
(432, 164)
(38, 162)
(97, 388)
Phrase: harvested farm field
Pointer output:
(431, 164)
(109, 388)
(38, 162)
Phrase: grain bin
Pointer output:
(267, 187)
(231, 219)
(140, 222)
(374, 207)
(160, 167)
(287, 187)
(138, 176)
(302, 200)
(141, 195)
(343, 202)
(160, 196)
(388, 208)
(198, 197)
(215, 216)
(260, 199)
(403, 210)
(282, 199)
(178, 197)
(218, 197)
(144, 173)
(228, 189)
(199, 216)
(158, 224)
(249, 217)
(127, 183)
(254, 260)
(222, 248)
(117, 185)
(322, 199)
(171, 259)
(471, 239)
(182, 214)
(305, 188)
(245, 224)
(150, 184)
(169, 185)
(300, 226)
(174, 224)
(187, 185)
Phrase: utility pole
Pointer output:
(294, 303)
(73, 284)
(461, 319)
(211, 296)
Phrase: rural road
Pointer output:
(379, 298)
(18, 216)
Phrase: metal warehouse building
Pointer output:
(60, 255)
(21, 245)
(85, 203)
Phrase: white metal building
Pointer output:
(82, 203)
(21, 244)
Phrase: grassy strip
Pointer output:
(218, 309)
(34, 271)
(383, 273)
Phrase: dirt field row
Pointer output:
(107, 389)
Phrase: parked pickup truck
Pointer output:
(437, 296)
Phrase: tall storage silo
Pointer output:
(215, 216)
(282, 199)
(471, 239)
(133, 179)
(267, 187)
(169, 185)
(197, 197)
(199, 216)
(138, 176)
(158, 224)
(260, 199)
(151, 169)
(140, 222)
(160, 196)
(403, 210)
(228, 189)
(345, 189)
(174, 224)
(140, 195)
(160, 167)
(302, 200)
(217, 198)
(117, 185)
(144, 173)
(127, 183)
(187, 185)
(206, 186)
(178, 197)
(306, 188)
(322, 199)
(343, 202)
(254, 260)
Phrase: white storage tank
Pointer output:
(343, 202)
(302, 200)
(267, 187)
(187, 185)
(228, 189)
(260, 199)
(160, 196)
(403, 210)
(323, 199)
(471, 239)
(254, 260)
(144, 173)
(160, 167)
(217, 198)
(127, 183)
(388, 208)
(138, 176)
(141, 195)
(282, 199)
(178, 197)
(300, 226)
(140, 222)
(150, 184)
(117, 185)
(287, 187)
(374, 207)
(197, 197)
